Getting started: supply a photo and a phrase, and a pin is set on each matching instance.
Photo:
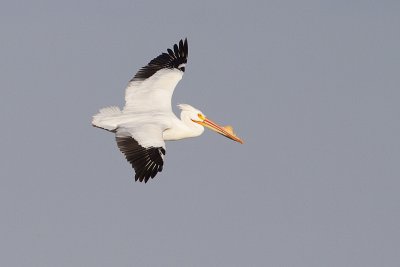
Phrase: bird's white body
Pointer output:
(147, 119)
(172, 128)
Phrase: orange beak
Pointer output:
(219, 129)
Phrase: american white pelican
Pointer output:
(147, 120)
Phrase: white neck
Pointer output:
(184, 128)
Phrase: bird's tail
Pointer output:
(104, 119)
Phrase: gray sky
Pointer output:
(311, 86)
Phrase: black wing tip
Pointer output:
(172, 59)
(146, 173)
(185, 47)
(146, 177)
(146, 162)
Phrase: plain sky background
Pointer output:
(313, 88)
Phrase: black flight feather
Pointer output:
(172, 59)
(147, 162)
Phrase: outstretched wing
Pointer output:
(152, 87)
(144, 148)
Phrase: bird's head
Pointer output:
(192, 114)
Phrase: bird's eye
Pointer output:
(201, 117)
(182, 69)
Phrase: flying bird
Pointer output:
(147, 120)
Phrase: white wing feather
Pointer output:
(152, 94)
(146, 134)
